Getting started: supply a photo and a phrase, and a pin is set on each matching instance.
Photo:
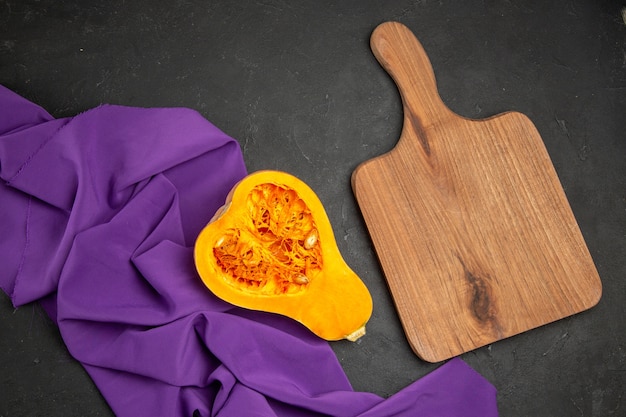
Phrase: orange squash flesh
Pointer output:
(271, 248)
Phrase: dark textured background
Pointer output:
(295, 82)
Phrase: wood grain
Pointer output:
(472, 228)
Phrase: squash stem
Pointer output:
(357, 334)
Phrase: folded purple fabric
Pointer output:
(99, 213)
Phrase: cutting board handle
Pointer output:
(404, 58)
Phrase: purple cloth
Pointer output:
(99, 213)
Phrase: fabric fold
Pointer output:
(99, 215)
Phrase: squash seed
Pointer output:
(311, 239)
(301, 279)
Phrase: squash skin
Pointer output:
(334, 304)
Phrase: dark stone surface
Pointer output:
(295, 82)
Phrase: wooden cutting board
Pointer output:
(472, 228)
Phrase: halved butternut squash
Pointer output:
(271, 248)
